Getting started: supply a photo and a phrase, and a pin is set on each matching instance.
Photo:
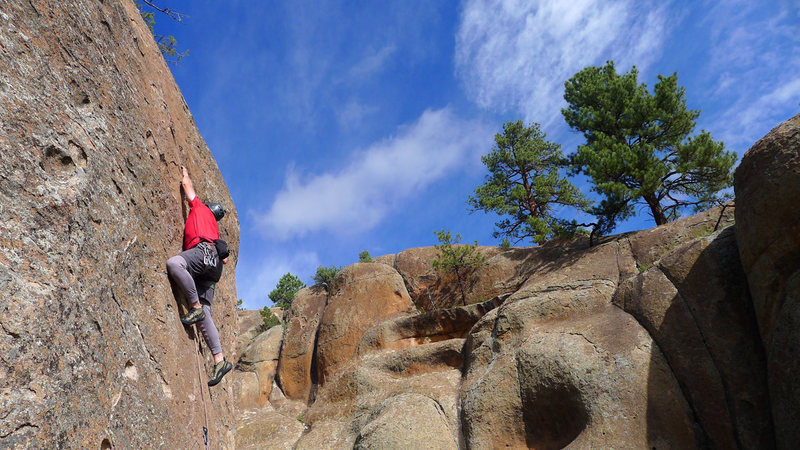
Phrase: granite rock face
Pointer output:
(767, 184)
(648, 339)
(362, 295)
(94, 130)
(299, 339)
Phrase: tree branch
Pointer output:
(174, 15)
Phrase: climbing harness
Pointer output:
(200, 377)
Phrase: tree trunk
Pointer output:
(655, 208)
(460, 286)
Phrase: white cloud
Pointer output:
(750, 118)
(358, 196)
(516, 55)
(755, 60)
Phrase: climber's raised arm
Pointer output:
(188, 187)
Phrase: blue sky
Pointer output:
(349, 126)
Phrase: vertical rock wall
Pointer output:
(767, 184)
(93, 130)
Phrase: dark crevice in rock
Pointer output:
(18, 429)
(723, 380)
(700, 433)
(9, 332)
(314, 375)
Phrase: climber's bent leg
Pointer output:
(183, 268)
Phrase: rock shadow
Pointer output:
(695, 303)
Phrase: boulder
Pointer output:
(260, 357)
(328, 434)
(362, 295)
(768, 232)
(268, 428)
(397, 424)
(265, 347)
(94, 131)
(295, 374)
(646, 340)
(695, 304)
(251, 324)
(581, 382)
(432, 326)
(431, 289)
(246, 389)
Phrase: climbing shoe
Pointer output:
(220, 369)
(193, 316)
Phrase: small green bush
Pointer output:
(458, 258)
(325, 274)
(270, 319)
(364, 257)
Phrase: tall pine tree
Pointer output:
(524, 185)
(638, 146)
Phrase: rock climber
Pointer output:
(197, 269)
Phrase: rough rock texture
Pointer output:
(250, 325)
(260, 358)
(267, 429)
(396, 424)
(557, 364)
(646, 340)
(431, 289)
(425, 328)
(299, 338)
(767, 184)
(362, 295)
(695, 304)
(94, 129)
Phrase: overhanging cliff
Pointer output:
(93, 130)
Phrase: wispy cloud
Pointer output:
(353, 113)
(372, 62)
(360, 195)
(755, 61)
(751, 117)
(516, 55)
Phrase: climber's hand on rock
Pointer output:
(225, 261)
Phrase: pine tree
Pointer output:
(283, 294)
(638, 147)
(524, 185)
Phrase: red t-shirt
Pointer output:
(201, 225)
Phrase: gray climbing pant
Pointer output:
(187, 270)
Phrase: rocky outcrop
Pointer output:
(431, 289)
(395, 424)
(647, 339)
(267, 429)
(558, 364)
(362, 295)
(299, 338)
(255, 370)
(92, 353)
(767, 183)
(695, 304)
